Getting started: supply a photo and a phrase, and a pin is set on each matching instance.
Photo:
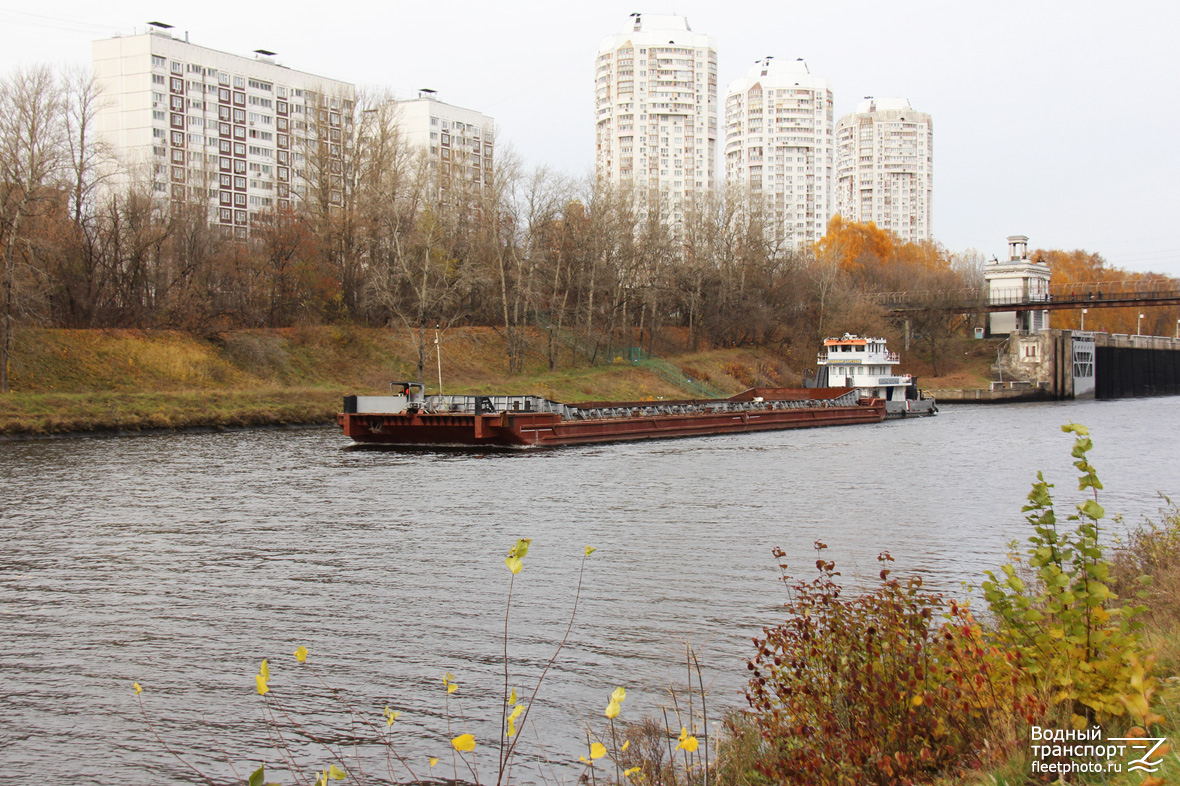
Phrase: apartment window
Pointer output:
(226, 181)
(240, 200)
(239, 82)
(239, 166)
(158, 79)
(178, 139)
(158, 115)
(239, 115)
(176, 68)
(177, 85)
(240, 149)
(158, 62)
(239, 98)
(240, 183)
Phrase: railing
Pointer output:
(1098, 294)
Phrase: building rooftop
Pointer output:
(777, 73)
(871, 104)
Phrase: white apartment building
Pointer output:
(209, 125)
(457, 141)
(656, 108)
(779, 147)
(885, 169)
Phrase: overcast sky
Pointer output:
(1057, 120)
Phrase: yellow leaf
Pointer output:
(264, 670)
(452, 688)
(583, 759)
(512, 697)
(612, 709)
(519, 708)
(618, 695)
(597, 750)
(686, 743)
(260, 683)
(447, 678)
(138, 689)
(391, 716)
(917, 701)
(590, 550)
(464, 743)
(336, 773)
(512, 727)
(626, 745)
(631, 771)
(301, 653)
(514, 564)
(433, 761)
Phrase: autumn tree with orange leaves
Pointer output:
(1082, 274)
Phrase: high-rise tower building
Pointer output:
(885, 167)
(458, 141)
(244, 134)
(656, 108)
(778, 147)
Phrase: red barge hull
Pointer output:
(627, 421)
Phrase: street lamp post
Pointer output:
(1084, 312)
(1138, 325)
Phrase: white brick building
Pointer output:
(656, 108)
(236, 131)
(885, 167)
(779, 147)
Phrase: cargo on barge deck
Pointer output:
(407, 417)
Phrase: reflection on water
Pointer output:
(180, 561)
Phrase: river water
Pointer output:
(181, 561)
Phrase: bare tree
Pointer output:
(31, 158)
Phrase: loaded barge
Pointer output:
(411, 418)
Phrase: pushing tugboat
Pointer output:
(409, 417)
(867, 365)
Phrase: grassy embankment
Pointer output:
(124, 380)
